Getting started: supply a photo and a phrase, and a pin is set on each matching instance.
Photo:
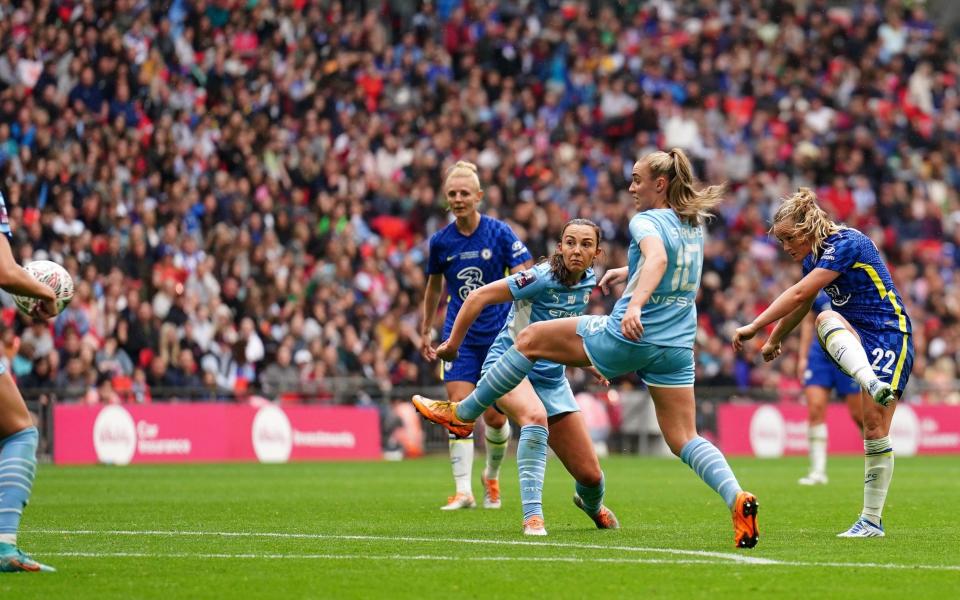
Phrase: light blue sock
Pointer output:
(710, 465)
(503, 376)
(532, 464)
(592, 496)
(18, 464)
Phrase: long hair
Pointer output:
(462, 167)
(560, 270)
(809, 220)
(691, 204)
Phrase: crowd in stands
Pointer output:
(243, 190)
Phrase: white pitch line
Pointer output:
(563, 559)
(539, 559)
(738, 558)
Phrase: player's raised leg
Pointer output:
(841, 342)
(18, 465)
(676, 412)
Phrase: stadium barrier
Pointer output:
(774, 430)
(205, 432)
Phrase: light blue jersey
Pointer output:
(538, 296)
(669, 316)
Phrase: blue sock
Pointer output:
(592, 496)
(503, 376)
(532, 464)
(18, 464)
(710, 465)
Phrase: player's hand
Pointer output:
(598, 376)
(45, 309)
(612, 277)
(743, 334)
(447, 351)
(630, 326)
(801, 367)
(426, 349)
(770, 350)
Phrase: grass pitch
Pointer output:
(373, 530)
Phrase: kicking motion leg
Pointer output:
(555, 341)
(841, 342)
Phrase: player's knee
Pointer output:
(527, 339)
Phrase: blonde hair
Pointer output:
(691, 205)
(809, 220)
(462, 168)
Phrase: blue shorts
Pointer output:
(890, 354)
(556, 396)
(823, 372)
(467, 365)
(662, 366)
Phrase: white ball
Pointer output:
(54, 276)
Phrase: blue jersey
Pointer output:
(4, 219)
(669, 317)
(863, 292)
(468, 262)
(539, 296)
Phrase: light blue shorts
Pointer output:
(662, 366)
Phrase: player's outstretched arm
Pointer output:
(771, 348)
(497, 292)
(795, 297)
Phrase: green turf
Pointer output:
(662, 505)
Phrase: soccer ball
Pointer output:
(53, 275)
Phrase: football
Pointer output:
(53, 275)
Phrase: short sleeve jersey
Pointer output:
(863, 292)
(669, 316)
(539, 296)
(468, 262)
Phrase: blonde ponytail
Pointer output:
(690, 204)
(809, 220)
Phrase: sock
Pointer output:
(846, 351)
(817, 436)
(710, 465)
(461, 459)
(877, 473)
(532, 464)
(497, 442)
(503, 376)
(18, 465)
(592, 496)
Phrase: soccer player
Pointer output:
(868, 319)
(555, 288)
(820, 375)
(469, 253)
(651, 329)
(18, 436)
